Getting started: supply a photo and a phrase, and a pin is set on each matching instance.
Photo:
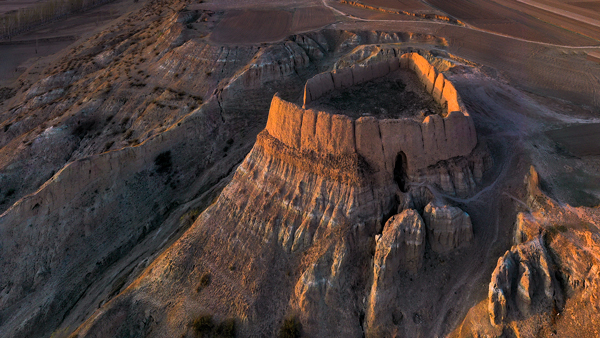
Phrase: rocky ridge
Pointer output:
(315, 213)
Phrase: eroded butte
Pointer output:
(294, 168)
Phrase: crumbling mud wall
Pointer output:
(378, 141)
(442, 90)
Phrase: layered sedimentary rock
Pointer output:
(402, 243)
(549, 280)
(447, 227)
(399, 248)
(522, 283)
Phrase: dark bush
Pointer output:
(204, 282)
(203, 325)
(226, 329)
(83, 128)
(163, 162)
(291, 328)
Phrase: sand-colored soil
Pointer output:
(20, 53)
(368, 14)
(310, 18)
(256, 26)
(501, 19)
(11, 5)
(581, 140)
(572, 18)
(252, 26)
(13, 55)
(403, 5)
(544, 70)
(593, 6)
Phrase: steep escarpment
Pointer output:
(303, 230)
(153, 125)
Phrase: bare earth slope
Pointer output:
(112, 160)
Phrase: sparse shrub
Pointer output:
(108, 144)
(226, 329)
(203, 325)
(10, 192)
(190, 217)
(163, 162)
(205, 280)
(291, 328)
(83, 128)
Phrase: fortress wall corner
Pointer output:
(457, 134)
(440, 134)
(404, 61)
(285, 121)
(274, 119)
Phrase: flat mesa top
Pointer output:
(396, 95)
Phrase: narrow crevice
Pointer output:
(361, 321)
(400, 172)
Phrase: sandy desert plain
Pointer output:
(302, 168)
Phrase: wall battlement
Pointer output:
(379, 142)
(442, 90)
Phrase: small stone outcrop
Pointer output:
(447, 227)
(402, 243)
(400, 247)
(522, 283)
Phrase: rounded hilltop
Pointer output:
(433, 126)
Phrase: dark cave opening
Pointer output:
(400, 169)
